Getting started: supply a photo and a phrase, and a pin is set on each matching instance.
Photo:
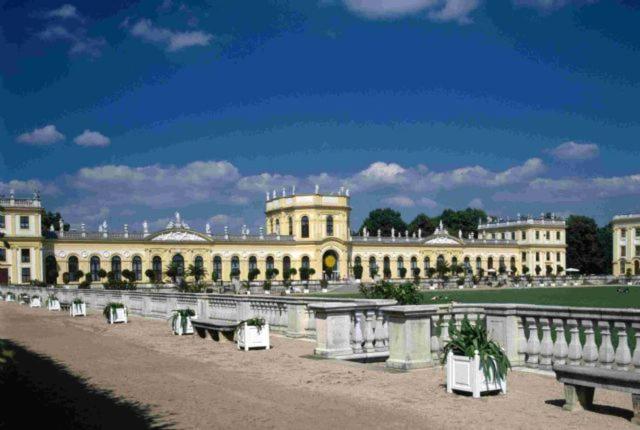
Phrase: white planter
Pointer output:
(119, 315)
(53, 305)
(179, 329)
(9, 299)
(35, 303)
(325, 290)
(250, 337)
(78, 310)
(287, 292)
(465, 374)
(306, 291)
(267, 292)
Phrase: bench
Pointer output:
(215, 328)
(580, 383)
(65, 306)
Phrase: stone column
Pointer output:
(298, 319)
(333, 329)
(409, 336)
(502, 327)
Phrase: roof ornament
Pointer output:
(379, 235)
(145, 228)
(207, 229)
(126, 230)
(226, 232)
(267, 195)
(419, 233)
(346, 193)
(317, 189)
(105, 229)
(293, 190)
(284, 192)
(61, 227)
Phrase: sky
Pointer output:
(127, 111)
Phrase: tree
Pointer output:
(605, 242)
(197, 272)
(442, 268)
(253, 274)
(465, 220)
(289, 274)
(129, 275)
(52, 219)
(272, 273)
(424, 223)
(383, 220)
(357, 271)
(403, 272)
(373, 272)
(583, 247)
(172, 271)
(151, 275)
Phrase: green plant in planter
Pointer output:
(112, 306)
(35, 297)
(24, 297)
(51, 298)
(11, 296)
(184, 315)
(471, 338)
(256, 322)
(78, 301)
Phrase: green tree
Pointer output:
(52, 219)
(197, 272)
(605, 242)
(422, 221)
(583, 248)
(384, 220)
(465, 220)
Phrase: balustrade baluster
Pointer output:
(590, 350)
(546, 346)
(379, 332)
(357, 332)
(560, 348)
(533, 343)
(458, 321)
(368, 331)
(606, 353)
(444, 329)
(575, 347)
(522, 341)
(623, 353)
(636, 352)
(435, 342)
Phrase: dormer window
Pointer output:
(24, 222)
(330, 225)
(304, 227)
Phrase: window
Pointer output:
(623, 233)
(290, 226)
(217, 267)
(414, 263)
(235, 263)
(400, 263)
(277, 226)
(637, 230)
(524, 235)
(537, 256)
(623, 251)
(3, 254)
(26, 275)
(156, 266)
(305, 262)
(304, 226)
(25, 255)
(329, 225)
(116, 268)
(478, 263)
(557, 235)
(286, 264)
(270, 263)
(373, 266)
(623, 266)
(386, 267)
(2, 225)
(524, 256)
(136, 266)
(558, 257)
(490, 263)
(253, 263)
(178, 262)
(426, 263)
(94, 267)
(73, 268)
(24, 222)
(537, 235)
(548, 256)
(637, 251)
(548, 235)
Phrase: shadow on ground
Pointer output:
(37, 390)
(599, 409)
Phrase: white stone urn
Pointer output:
(465, 374)
(78, 309)
(250, 336)
(35, 302)
(53, 304)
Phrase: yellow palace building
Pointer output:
(301, 230)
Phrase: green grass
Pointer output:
(603, 296)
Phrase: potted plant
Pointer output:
(24, 299)
(475, 364)
(324, 283)
(10, 297)
(181, 321)
(53, 304)
(115, 313)
(253, 333)
(35, 302)
(78, 308)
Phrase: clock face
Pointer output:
(330, 261)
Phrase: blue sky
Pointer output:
(127, 110)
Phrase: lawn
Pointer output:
(603, 296)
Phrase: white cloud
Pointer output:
(172, 40)
(575, 151)
(476, 203)
(78, 40)
(41, 136)
(66, 11)
(92, 138)
(26, 188)
(437, 10)
(546, 5)
(399, 201)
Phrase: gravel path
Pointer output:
(199, 384)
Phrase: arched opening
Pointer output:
(198, 264)
(73, 269)
(330, 265)
(51, 270)
(426, 264)
(400, 268)
(490, 263)
(478, 263)
(270, 263)
(277, 226)
(467, 265)
(253, 263)
(217, 268)
(304, 226)
(116, 268)
(329, 226)
(156, 266)
(94, 268)
(386, 267)
(136, 266)
(414, 263)
(512, 263)
(373, 267)
(636, 267)
(178, 263)
(305, 262)
(235, 267)
(502, 267)
(286, 266)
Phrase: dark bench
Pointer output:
(215, 328)
(580, 383)
(65, 306)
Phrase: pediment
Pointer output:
(178, 236)
(442, 239)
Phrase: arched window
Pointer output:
(116, 268)
(329, 225)
(305, 261)
(414, 263)
(94, 267)
(426, 264)
(270, 264)
(178, 262)
(304, 226)
(490, 263)
(357, 261)
(400, 263)
(253, 262)
(513, 264)
(271, 226)
(501, 264)
(386, 267)
(51, 270)
(478, 263)
(136, 266)
(440, 260)
(217, 267)
(290, 226)
(198, 262)
(286, 264)
(373, 266)
(156, 266)
(454, 261)
(235, 262)
(73, 268)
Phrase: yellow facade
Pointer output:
(626, 244)
(304, 230)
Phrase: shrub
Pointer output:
(151, 275)
(405, 294)
(373, 272)
(386, 272)
(402, 272)
(112, 306)
(183, 316)
(235, 273)
(66, 277)
(253, 274)
(357, 271)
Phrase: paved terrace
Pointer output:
(199, 384)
